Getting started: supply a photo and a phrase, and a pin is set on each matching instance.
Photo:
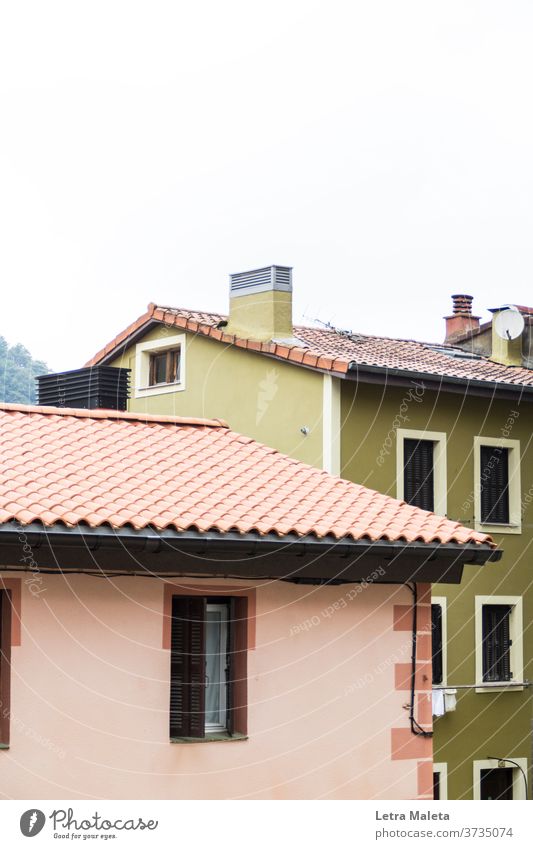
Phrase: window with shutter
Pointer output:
(496, 642)
(418, 483)
(208, 666)
(496, 784)
(436, 643)
(5, 665)
(494, 485)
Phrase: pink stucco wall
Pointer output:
(90, 691)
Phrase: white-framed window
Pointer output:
(439, 639)
(499, 780)
(499, 642)
(497, 492)
(421, 469)
(440, 782)
(160, 366)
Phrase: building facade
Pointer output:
(368, 408)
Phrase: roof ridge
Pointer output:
(78, 412)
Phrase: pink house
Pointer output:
(186, 613)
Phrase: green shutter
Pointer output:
(494, 485)
(496, 642)
(418, 477)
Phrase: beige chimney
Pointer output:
(260, 304)
(462, 322)
(508, 351)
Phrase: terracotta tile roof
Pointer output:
(70, 467)
(334, 351)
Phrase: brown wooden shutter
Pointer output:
(237, 666)
(5, 665)
(418, 483)
(494, 485)
(187, 667)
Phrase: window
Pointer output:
(208, 667)
(497, 493)
(440, 781)
(496, 642)
(5, 665)
(494, 485)
(165, 367)
(500, 780)
(437, 647)
(496, 784)
(499, 648)
(421, 469)
(159, 366)
(418, 484)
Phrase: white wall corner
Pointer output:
(331, 425)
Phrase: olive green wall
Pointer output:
(484, 723)
(256, 395)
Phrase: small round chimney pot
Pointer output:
(462, 304)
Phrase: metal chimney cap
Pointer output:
(268, 279)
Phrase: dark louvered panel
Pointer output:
(494, 485)
(496, 642)
(197, 621)
(94, 387)
(187, 667)
(418, 479)
(436, 642)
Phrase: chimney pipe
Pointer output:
(461, 322)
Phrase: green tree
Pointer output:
(18, 371)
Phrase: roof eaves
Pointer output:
(405, 377)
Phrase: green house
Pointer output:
(445, 426)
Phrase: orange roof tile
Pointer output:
(102, 468)
(330, 350)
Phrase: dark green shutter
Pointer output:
(496, 642)
(418, 477)
(436, 642)
(494, 485)
(187, 667)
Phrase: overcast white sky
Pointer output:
(147, 149)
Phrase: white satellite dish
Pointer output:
(509, 323)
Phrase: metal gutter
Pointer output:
(297, 559)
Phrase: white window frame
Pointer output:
(211, 727)
(439, 464)
(519, 789)
(515, 492)
(443, 602)
(516, 636)
(442, 769)
(143, 350)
